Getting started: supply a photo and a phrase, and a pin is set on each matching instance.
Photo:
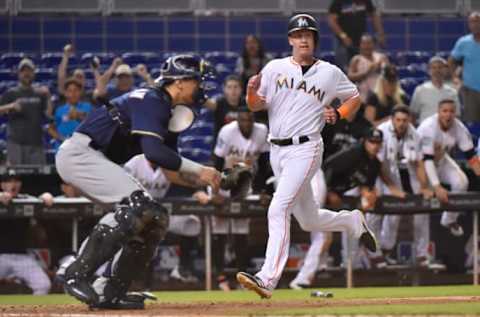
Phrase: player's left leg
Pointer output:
(450, 173)
(128, 265)
(319, 243)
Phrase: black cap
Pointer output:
(374, 135)
(302, 21)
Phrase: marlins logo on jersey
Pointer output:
(289, 83)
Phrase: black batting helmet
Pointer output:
(302, 22)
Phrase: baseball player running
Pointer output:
(440, 134)
(130, 124)
(402, 160)
(296, 91)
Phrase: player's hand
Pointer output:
(142, 71)
(441, 194)
(117, 62)
(254, 83)
(427, 193)
(397, 192)
(15, 106)
(347, 41)
(68, 50)
(330, 114)
(5, 198)
(47, 199)
(211, 176)
(202, 197)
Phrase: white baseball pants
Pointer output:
(294, 167)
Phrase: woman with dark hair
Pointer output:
(252, 60)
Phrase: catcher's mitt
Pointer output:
(238, 180)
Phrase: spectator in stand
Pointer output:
(348, 21)
(69, 115)
(364, 68)
(252, 60)
(227, 106)
(467, 51)
(386, 94)
(426, 96)
(15, 263)
(78, 74)
(27, 108)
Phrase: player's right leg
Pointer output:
(450, 173)
(293, 168)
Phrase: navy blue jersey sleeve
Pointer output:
(149, 113)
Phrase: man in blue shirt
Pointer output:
(136, 122)
(467, 51)
(68, 116)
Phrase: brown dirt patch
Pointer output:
(218, 308)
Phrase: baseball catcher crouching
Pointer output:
(136, 122)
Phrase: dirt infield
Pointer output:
(220, 308)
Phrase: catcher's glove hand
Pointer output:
(238, 180)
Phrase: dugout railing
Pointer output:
(74, 208)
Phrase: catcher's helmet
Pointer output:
(188, 67)
(185, 66)
(302, 22)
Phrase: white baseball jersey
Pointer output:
(437, 142)
(157, 185)
(234, 147)
(400, 154)
(153, 180)
(295, 101)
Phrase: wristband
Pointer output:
(189, 166)
(474, 160)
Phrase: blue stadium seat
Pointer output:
(228, 58)
(105, 58)
(133, 58)
(43, 74)
(413, 57)
(7, 74)
(6, 84)
(409, 84)
(53, 59)
(474, 128)
(9, 60)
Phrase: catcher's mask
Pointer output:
(188, 67)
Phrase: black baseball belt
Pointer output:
(290, 141)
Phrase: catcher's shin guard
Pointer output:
(131, 263)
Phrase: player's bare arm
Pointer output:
(184, 179)
(423, 180)
(344, 111)
(394, 190)
(254, 101)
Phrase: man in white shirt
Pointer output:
(402, 159)
(427, 95)
(440, 134)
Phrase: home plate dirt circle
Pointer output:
(203, 308)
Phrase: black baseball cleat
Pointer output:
(133, 300)
(81, 290)
(254, 283)
(368, 239)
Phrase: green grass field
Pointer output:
(339, 305)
